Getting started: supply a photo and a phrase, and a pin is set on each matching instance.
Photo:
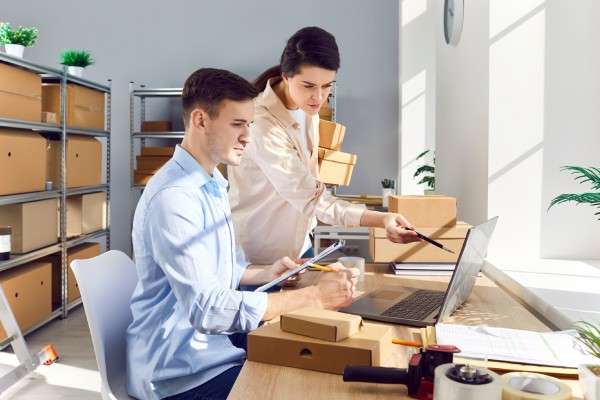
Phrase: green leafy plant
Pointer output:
(582, 175)
(589, 337)
(23, 36)
(76, 58)
(428, 171)
(388, 183)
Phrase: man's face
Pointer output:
(228, 133)
(310, 87)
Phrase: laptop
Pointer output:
(416, 307)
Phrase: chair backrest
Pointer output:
(106, 283)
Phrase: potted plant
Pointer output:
(428, 172)
(15, 41)
(76, 61)
(389, 187)
(583, 175)
(589, 375)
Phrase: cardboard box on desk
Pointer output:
(331, 135)
(336, 167)
(84, 161)
(20, 94)
(34, 224)
(85, 106)
(426, 211)
(321, 324)
(22, 162)
(271, 345)
(382, 250)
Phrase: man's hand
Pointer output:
(335, 289)
(278, 268)
(394, 229)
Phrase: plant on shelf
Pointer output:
(427, 171)
(582, 175)
(589, 375)
(76, 61)
(15, 40)
(389, 187)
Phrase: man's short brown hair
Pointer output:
(208, 87)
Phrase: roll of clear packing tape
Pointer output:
(456, 382)
(531, 386)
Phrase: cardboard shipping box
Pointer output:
(86, 213)
(34, 224)
(151, 163)
(370, 346)
(382, 250)
(84, 161)
(28, 289)
(321, 324)
(425, 211)
(85, 106)
(22, 162)
(156, 126)
(142, 177)
(164, 151)
(331, 134)
(336, 167)
(20, 94)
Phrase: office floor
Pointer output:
(75, 376)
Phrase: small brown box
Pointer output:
(426, 211)
(93, 212)
(34, 224)
(271, 345)
(151, 163)
(321, 324)
(336, 167)
(158, 151)
(156, 126)
(49, 118)
(85, 106)
(22, 162)
(382, 250)
(20, 94)
(84, 161)
(331, 134)
(142, 177)
(28, 289)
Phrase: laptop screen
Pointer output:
(470, 262)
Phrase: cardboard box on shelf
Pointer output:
(151, 163)
(28, 289)
(84, 161)
(331, 135)
(22, 162)
(370, 346)
(34, 224)
(93, 211)
(74, 226)
(165, 151)
(85, 106)
(156, 126)
(49, 118)
(382, 250)
(142, 177)
(426, 211)
(321, 324)
(20, 94)
(336, 167)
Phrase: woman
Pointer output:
(275, 192)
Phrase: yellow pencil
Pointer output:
(321, 267)
(409, 343)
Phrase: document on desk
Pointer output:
(557, 349)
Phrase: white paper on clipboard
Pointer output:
(302, 267)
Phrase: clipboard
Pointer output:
(314, 260)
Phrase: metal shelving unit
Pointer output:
(61, 192)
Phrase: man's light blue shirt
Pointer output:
(186, 301)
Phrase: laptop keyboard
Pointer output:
(417, 306)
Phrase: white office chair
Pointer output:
(106, 283)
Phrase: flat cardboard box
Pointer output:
(331, 134)
(28, 289)
(156, 126)
(336, 167)
(151, 163)
(321, 324)
(383, 251)
(34, 224)
(84, 161)
(269, 344)
(93, 211)
(20, 94)
(142, 177)
(425, 211)
(22, 162)
(165, 151)
(74, 213)
(85, 106)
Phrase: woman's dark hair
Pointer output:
(309, 46)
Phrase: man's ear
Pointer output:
(198, 118)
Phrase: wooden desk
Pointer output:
(488, 304)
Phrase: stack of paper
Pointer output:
(422, 269)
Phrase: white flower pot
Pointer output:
(590, 383)
(385, 194)
(429, 192)
(75, 71)
(15, 50)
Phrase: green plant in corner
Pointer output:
(76, 58)
(428, 171)
(583, 175)
(589, 337)
(21, 36)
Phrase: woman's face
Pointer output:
(310, 87)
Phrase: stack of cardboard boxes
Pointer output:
(433, 216)
(335, 167)
(150, 161)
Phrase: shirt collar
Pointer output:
(269, 100)
(200, 176)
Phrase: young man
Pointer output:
(187, 300)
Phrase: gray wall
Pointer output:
(160, 43)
